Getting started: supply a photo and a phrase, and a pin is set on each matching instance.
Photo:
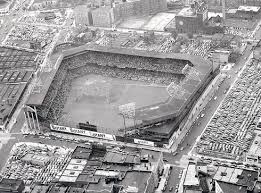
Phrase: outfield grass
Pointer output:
(96, 99)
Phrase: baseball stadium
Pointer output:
(128, 94)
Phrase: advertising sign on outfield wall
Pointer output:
(143, 142)
(82, 132)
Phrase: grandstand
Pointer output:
(16, 70)
(155, 122)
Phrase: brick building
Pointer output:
(192, 19)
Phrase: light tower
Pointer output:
(224, 9)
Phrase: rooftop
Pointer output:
(231, 188)
(191, 178)
(40, 189)
(187, 12)
(14, 58)
(248, 8)
(58, 189)
(97, 174)
(246, 24)
(3, 4)
(120, 158)
(255, 148)
(236, 176)
(10, 184)
(75, 190)
(81, 153)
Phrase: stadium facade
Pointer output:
(156, 123)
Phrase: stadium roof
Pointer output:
(203, 66)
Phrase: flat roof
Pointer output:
(255, 148)
(187, 12)
(236, 176)
(136, 179)
(75, 190)
(248, 8)
(78, 161)
(81, 153)
(10, 184)
(39, 189)
(232, 11)
(190, 178)
(16, 58)
(58, 189)
(231, 188)
(240, 23)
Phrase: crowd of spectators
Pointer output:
(128, 73)
(135, 62)
(58, 80)
(167, 45)
(197, 47)
(55, 112)
(34, 170)
(231, 130)
(112, 65)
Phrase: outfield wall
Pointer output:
(109, 137)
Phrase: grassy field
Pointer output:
(96, 99)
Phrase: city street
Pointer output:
(186, 146)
